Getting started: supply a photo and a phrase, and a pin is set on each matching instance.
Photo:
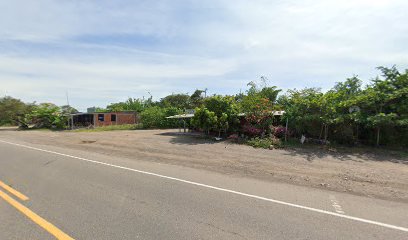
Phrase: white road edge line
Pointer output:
(222, 189)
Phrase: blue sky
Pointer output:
(105, 51)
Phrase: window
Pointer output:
(101, 117)
(113, 118)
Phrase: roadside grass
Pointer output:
(6, 125)
(111, 128)
(39, 129)
(262, 142)
(332, 148)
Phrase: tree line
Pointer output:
(348, 113)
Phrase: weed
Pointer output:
(111, 128)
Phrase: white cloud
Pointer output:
(108, 49)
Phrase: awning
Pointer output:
(190, 115)
(275, 113)
(180, 116)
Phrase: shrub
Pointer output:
(112, 128)
(155, 117)
(47, 115)
(12, 111)
(204, 119)
(252, 130)
(258, 142)
(226, 110)
(279, 132)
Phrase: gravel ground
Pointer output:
(363, 172)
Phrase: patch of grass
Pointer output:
(403, 154)
(38, 129)
(111, 128)
(400, 153)
(7, 125)
(292, 142)
(258, 142)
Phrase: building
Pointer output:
(99, 119)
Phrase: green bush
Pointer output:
(47, 115)
(155, 117)
(258, 142)
(12, 111)
(204, 119)
(112, 128)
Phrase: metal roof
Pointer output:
(275, 113)
(85, 113)
(190, 115)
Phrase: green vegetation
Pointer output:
(155, 117)
(111, 128)
(47, 115)
(13, 111)
(349, 113)
(131, 104)
(266, 142)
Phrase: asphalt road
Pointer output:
(82, 195)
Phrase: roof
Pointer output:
(84, 113)
(118, 112)
(190, 115)
(275, 113)
(78, 114)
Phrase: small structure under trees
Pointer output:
(98, 119)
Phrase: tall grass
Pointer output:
(111, 128)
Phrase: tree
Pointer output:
(155, 117)
(342, 110)
(270, 93)
(12, 110)
(196, 98)
(67, 110)
(304, 109)
(226, 111)
(181, 101)
(258, 105)
(204, 119)
(263, 90)
(47, 115)
(385, 101)
(131, 104)
(258, 114)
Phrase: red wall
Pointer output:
(121, 118)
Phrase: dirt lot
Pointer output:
(374, 174)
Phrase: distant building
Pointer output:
(99, 119)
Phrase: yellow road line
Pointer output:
(35, 218)
(13, 191)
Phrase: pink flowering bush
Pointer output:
(252, 130)
(279, 132)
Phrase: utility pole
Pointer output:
(70, 117)
(66, 93)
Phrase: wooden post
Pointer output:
(286, 129)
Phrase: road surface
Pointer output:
(48, 192)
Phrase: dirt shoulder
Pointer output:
(373, 174)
